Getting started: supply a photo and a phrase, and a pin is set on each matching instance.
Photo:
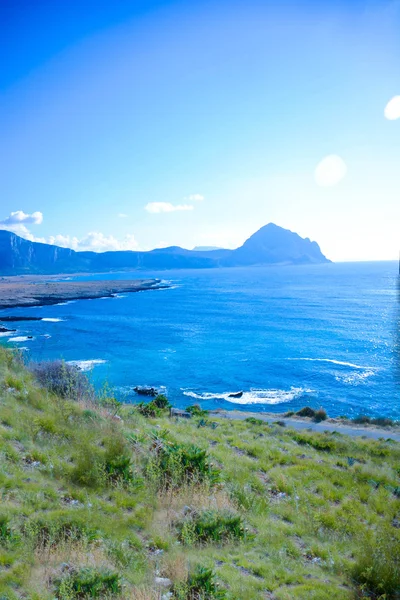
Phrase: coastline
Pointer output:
(25, 291)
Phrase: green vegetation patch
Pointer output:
(110, 501)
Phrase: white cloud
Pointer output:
(18, 217)
(95, 241)
(392, 109)
(122, 215)
(166, 207)
(195, 198)
(330, 171)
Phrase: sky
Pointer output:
(143, 124)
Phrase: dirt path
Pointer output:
(352, 430)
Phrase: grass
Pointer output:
(95, 504)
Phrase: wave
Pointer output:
(21, 338)
(254, 396)
(334, 362)
(86, 365)
(52, 319)
(357, 376)
(65, 303)
(7, 333)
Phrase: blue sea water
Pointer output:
(322, 335)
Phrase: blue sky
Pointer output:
(142, 124)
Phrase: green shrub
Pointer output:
(154, 408)
(361, 420)
(174, 464)
(289, 413)
(89, 468)
(117, 459)
(149, 409)
(377, 567)
(8, 537)
(382, 422)
(88, 583)
(161, 401)
(306, 411)
(200, 585)
(254, 421)
(211, 526)
(320, 415)
(196, 410)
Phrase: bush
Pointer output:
(254, 421)
(161, 401)
(7, 536)
(65, 380)
(211, 526)
(200, 585)
(154, 408)
(117, 460)
(361, 420)
(382, 422)
(320, 415)
(88, 583)
(306, 411)
(377, 568)
(196, 411)
(88, 469)
(175, 464)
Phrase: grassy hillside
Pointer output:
(102, 501)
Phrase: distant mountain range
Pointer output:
(270, 245)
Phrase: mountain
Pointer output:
(269, 245)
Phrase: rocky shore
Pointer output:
(36, 291)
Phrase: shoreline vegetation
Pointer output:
(43, 291)
(104, 500)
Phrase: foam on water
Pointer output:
(7, 333)
(52, 319)
(355, 378)
(253, 396)
(332, 361)
(21, 338)
(86, 365)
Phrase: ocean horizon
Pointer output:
(320, 335)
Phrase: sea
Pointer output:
(255, 339)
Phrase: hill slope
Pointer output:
(129, 507)
(270, 245)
